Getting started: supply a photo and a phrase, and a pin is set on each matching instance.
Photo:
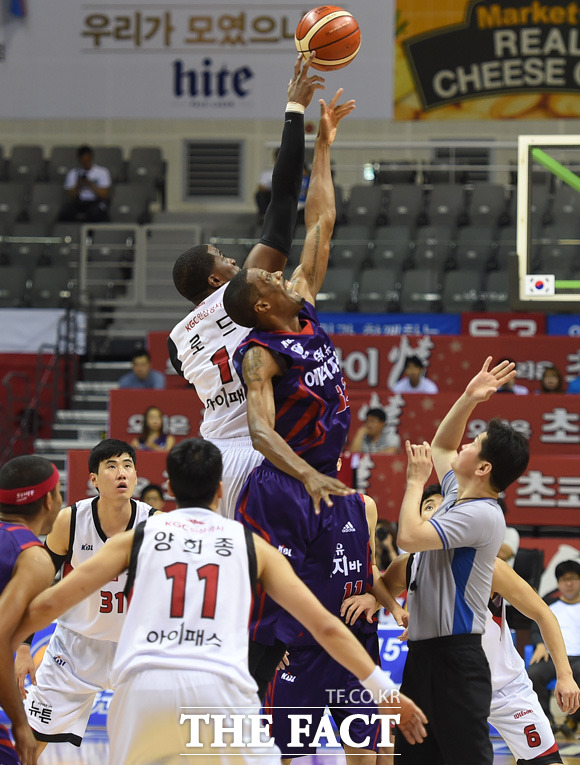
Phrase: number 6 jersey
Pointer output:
(101, 615)
(190, 592)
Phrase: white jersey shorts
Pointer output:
(144, 721)
(239, 459)
(518, 717)
(73, 670)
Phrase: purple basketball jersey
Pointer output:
(346, 549)
(14, 538)
(312, 410)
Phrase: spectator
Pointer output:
(552, 381)
(567, 611)
(385, 544)
(413, 379)
(152, 495)
(511, 541)
(88, 187)
(511, 386)
(153, 437)
(574, 385)
(142, 375)
(374, 437)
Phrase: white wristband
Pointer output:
(294, 106)
(378, 683)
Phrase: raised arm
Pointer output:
(523, 597)
(449, 434)
(320, 209)
(273, 248)
(415, 533)
(259, 368)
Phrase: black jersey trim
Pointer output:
(408, 570)
(174, 356)
(132, 570)
(72, 532)
(252, 560)
(69, 738)
(97, 521)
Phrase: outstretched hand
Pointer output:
(331, 114)
(419, 462)
(486, 382)
(321, 487)
(302, 86)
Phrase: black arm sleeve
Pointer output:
(280, 218)
(57, 560)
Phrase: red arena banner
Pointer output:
(496, 324)
(372, 363)
(150, 469)
(182, 412)
(551, 422)
(548, 494)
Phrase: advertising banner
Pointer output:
(548, 494)
(170, 60)
(181, 410)
(480, 59)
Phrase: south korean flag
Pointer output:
(539, 284)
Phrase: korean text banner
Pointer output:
(487, 60)
(170, 60)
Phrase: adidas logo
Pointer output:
(348, 527)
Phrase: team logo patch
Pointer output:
(348, 527)
(86, 546)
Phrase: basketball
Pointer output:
(332, 32)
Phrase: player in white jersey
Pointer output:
(188, 647)
(202, 345)
(78, 659)
(515, 712)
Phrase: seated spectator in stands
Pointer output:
(574, 385)
(511, 386)
(385, 544)
(413, 379)
(142, 376)
(511, 541)
(552, 381)
(153, 437)
(152, 495)
(88, 187)
(567, 611)
(374, 437)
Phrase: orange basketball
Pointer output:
(332, 32)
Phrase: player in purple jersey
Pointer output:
(298, 411)
(311, 679)
(30, 500)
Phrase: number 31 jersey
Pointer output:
(190, 593)
(101, 615)
(201, 349)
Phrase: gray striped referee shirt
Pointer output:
(450, 588)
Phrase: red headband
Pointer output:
(27, 494)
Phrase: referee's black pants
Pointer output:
(449, 678)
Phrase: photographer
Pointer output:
(88, 187)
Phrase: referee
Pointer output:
(446, 672)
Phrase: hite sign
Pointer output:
(167, 60)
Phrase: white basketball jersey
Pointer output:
(101, 615)
(204, 345)
(504, 661)
(191, 597)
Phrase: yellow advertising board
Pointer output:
(458, 60)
